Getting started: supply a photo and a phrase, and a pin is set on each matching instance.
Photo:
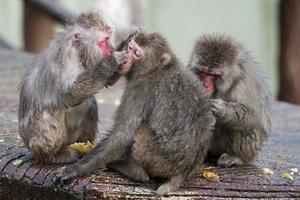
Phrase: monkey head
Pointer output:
(147, 52)
(89, 38)
(214, 60)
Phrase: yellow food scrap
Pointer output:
(82, 147)
(1, 141)
(210, 176)
(287, 175)
(268, 171)
(17, 162)
(117, 102)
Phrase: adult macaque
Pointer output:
(240, 98)
(57, 103)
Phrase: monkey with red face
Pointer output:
(57, 104)
(240, 98)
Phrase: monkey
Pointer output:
(156, 131)
(240, 98)
(57, 105)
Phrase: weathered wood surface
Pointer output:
(33, 181)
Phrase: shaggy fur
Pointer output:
(241, 100)
(57, 104)
(163, 126)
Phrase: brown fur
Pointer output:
(92, 20)
(162, 127)
(57, 104)
(215, 51)
(241, 100)
(152, 162)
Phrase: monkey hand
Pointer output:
(120, 57)
(217, 106)
(65, 174)
(125, 61)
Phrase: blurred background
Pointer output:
(268, 28)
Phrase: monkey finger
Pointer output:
(216, 104)
(216, 107)
(63, 175)
(213, 110)
(120, 57)
(67, 178)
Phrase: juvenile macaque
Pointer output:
(240, 98)
(57, 103)
(157, 131)
(126, 67)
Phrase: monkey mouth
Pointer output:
(106, 48)
(106, 53)
(134, 54)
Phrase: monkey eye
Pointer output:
(130, 46)
(162, 44)
(77, 35)
(106, 39)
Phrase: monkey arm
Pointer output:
(89, 82)
(113, 148)
(234, 114)
(113, 79)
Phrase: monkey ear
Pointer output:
(165, 59)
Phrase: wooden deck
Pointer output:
(27, 180)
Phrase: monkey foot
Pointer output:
(65, 174)
(140, 175)
(227, 160)
(164, 189)
(172, 185)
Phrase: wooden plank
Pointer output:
(32, 181)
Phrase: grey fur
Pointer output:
(57, 104)
(241, 101)
(162, 127)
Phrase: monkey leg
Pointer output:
(52, 152)
(171, 185)
(49, 137)
(228, 160)
(130, 168)
(89, 127)
(241, 148)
